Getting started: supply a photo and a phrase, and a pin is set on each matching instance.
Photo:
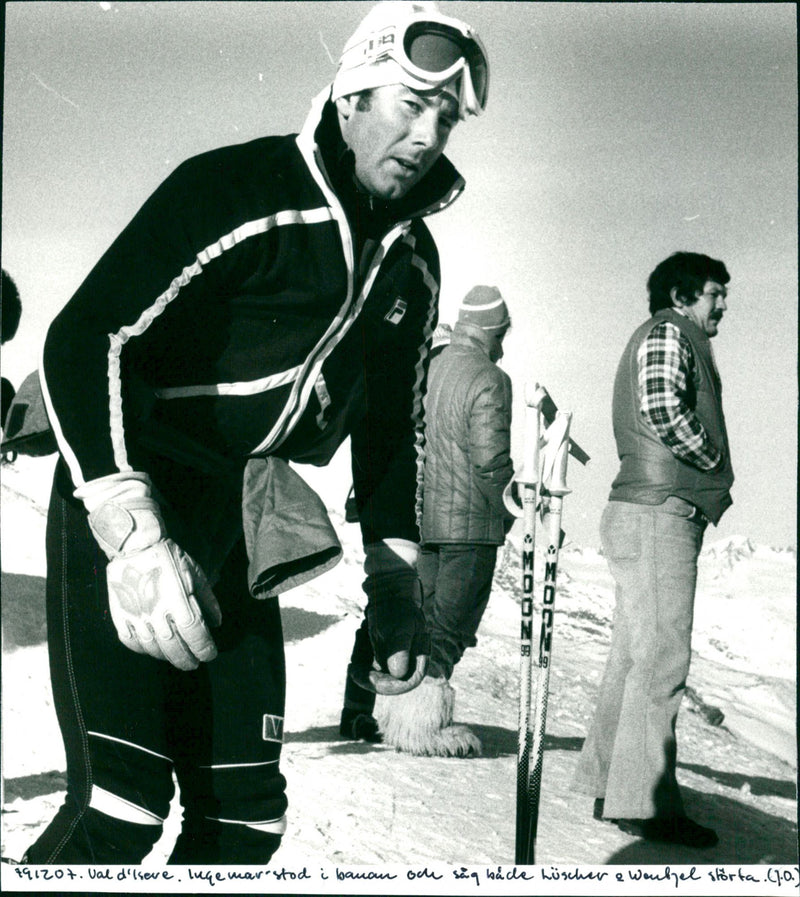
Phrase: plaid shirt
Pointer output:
(665, 366)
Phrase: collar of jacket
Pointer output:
(472, 336)
(675, 315)
(440, 187)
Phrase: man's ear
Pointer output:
(677, 300)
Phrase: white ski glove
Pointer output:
(395, 620)
(157, 594)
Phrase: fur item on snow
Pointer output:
(420, 722)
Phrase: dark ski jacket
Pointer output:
(468, 453)
(257, 304)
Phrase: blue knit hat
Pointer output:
(484, 307)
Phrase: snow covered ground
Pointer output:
(357, 806)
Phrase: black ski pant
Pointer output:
(130, 722)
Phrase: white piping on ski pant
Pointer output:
(237, 765)
(273, 826)
(132, 744)
(113, 805)
(116, 806)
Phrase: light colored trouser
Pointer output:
(629, 756)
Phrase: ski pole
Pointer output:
(555, 456)
(527, 482)
(549, 411)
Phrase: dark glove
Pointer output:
(396, 624)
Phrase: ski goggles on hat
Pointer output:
(431, 51)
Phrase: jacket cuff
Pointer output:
(114, 487)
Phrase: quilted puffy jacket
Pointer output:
(467, 455)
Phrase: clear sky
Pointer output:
(615, 135)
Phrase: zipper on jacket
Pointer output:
(350, 309)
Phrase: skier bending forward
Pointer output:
(267, 301)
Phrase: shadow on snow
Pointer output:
(23, 613)
(747, 836)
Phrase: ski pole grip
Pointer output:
(529, 473)
(559, 484)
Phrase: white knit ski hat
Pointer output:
(484, 307)
(412, 43)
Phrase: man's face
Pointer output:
(708, 310)
(397, 136)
